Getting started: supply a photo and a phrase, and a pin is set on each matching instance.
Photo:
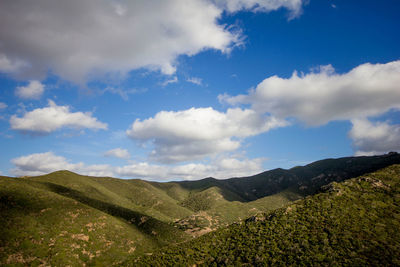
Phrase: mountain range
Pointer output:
(64, 218)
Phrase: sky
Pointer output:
(186, 89)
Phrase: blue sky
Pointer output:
(172, 90)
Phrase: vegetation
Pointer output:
(68, 219)
(355, 223)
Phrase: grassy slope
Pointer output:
(48, 223)
(355, 222)
(136, 195)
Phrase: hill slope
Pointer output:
(355, 222)
(65, 218)
(307, 178)
(238, 198)
(46, 223)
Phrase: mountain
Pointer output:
(308, 178)
(238, 198)
(65, 218)
(354, 223)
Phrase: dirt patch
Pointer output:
(376, 183)
(52, 242)
(73, 215)
(87, 253)
(108, 243)
(207, 224)
(63, 233)
(75, 246)
(44, 210)
(288, 209)
(200, 232)
(19, 258)
(90, 227)
(81, 237)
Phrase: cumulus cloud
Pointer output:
(3, 105)
(323, 95)
(115, 36)
(51, 118)
(33, 90)
(374, 138)
(108, 36)
(118, 153)
(221, 168)
(43, 163)
(40, 163)
(199, 132)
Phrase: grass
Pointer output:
(45, 223)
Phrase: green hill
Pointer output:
(65, 218)
(46, 223)
(354, 223)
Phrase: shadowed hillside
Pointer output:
(308, 178)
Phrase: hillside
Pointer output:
(239, 198)
(307, 178)
(44, 223)
(66, 218)
(355, 223)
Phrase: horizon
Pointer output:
(203, 178)
(166, 91)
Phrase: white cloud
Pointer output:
(115, 36)
(118, 153)
(40, 163)
(220, 169)
(322, 96)
(108, 36)
(195, 80)
(199, 132)
(294, 6)
(51, 118)
(374, 138)
(33, 90)
(172, 80)
(10, 66)
(43, 163)
(3, 105)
